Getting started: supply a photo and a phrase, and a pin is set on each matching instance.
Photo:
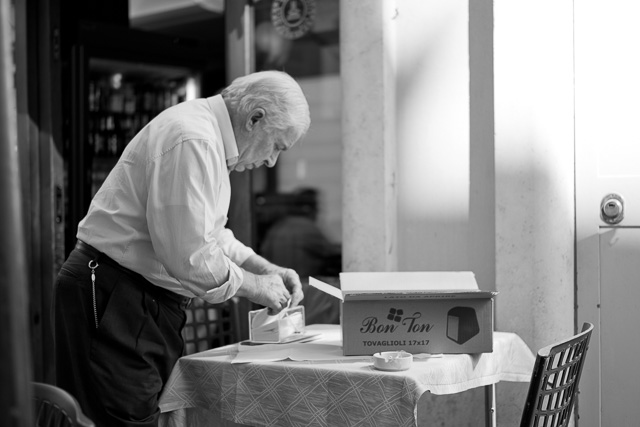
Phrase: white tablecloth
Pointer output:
(346, 391)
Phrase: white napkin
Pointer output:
(293, 351)
(267, 328)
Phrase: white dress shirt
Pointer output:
(162, 210)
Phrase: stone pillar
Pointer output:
(367, 51)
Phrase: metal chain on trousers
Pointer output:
(93, 264)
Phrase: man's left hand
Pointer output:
(292, 282)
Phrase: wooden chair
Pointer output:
(554, 382)
(210, 325)
(54, 407)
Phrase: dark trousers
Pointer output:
(117, 370)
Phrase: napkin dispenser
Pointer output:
(277, 328)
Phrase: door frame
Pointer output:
(587, 281)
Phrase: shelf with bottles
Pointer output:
(108, 94)
(119, 110)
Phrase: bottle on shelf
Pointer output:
(118, 110)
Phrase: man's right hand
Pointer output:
(267, 290)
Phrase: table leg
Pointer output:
(490, 405)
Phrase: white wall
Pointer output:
(432, 113)
(445, 190)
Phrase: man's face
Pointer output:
(259, 148)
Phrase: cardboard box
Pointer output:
(419, 312)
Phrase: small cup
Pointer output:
(392, 360)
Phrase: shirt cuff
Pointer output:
(228, 289)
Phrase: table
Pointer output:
(212, 388)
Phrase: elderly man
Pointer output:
(154, 237)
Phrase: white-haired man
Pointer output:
(154, 237)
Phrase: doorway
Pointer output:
(608, 207)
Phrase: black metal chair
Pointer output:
(554, 382)
(210, 325)
(54, 407)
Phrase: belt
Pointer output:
(161, 293)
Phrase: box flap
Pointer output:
(393, 285)
(326, 288)
(438, 294)
(409, 281)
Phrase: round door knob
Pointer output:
(612, 209)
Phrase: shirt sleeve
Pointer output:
(183, 214)
(232, 247)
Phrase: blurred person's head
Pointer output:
(306, 202)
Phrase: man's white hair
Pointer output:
(278, 94)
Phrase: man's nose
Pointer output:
(271, 162)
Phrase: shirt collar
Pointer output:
(221, 114)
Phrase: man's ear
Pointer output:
(254, 117)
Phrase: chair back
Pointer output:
(210, 325)
(554, 381)
(54, 407)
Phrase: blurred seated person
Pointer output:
(296, 241)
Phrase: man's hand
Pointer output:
(259, 272)
(292, 282)
(267, 290)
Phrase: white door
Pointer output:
(607, 95)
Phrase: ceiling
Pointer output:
(192, 19)
(204, 20)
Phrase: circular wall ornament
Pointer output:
(293, 18)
